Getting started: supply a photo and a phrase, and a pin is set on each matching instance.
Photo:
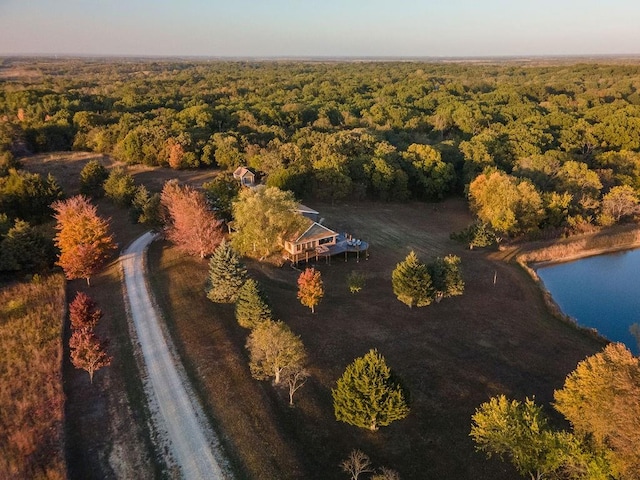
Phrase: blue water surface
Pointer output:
(601, 292)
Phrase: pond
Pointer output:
(601, 292)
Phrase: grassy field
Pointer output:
(452, 356)
(31, 397)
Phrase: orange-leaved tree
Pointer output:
(83, 312)
(83, 237)
(88, 352)
(310, 288)
(189, 222)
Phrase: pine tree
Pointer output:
(92, 179)
(251, 307)
(310, 288)
(120, 187)
(453, 276)
(411, 282)
(227, 275)
(367, 396)
(446, 277)
(145, 207)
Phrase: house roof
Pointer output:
(304, 209)
(315, 231)
(241, 172)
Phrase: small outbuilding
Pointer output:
(245, 176)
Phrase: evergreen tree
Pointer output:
(446, 276)
(25, 248)
(120, 187)
(453, 276)
(411, 282)
(92, 179)
(227, 275)
(251, 307)
(145, 207)
(367, 396)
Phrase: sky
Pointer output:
(324, 28)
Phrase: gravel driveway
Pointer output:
(177, 414)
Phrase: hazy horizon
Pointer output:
(296, 29)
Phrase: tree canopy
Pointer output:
(189, 222)
(601, 399)
(83, 237)
(386, 130)
(263, 219)
(274, 349)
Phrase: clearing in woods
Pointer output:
(452, 356)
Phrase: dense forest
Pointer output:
(536, 148)
(539, 150)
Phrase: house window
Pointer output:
(299, 247)
(324, 241)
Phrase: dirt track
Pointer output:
(177, 416)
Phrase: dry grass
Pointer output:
(617, 238)
(212, 347)
(31, 397)
(452, 356)
(106, 424)
(66, 167)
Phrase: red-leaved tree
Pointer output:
(83, 237)
(83, 312)
(189, 222)
(88, 352)
(310, 288)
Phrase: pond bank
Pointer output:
(534, 255)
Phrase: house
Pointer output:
(316, 239)
(246, 177)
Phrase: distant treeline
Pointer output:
(559, 138)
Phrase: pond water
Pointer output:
(601, 292)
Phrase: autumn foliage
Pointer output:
(83, 312)
(189, 223)
(83, 237)
(88, 352)
(310, 288)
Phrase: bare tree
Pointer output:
(357, 463)
(296, 378)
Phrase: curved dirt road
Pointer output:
(191, 442)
